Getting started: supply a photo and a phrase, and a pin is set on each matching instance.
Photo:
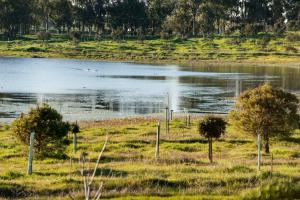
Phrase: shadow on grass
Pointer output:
(188, 141)
(12, 191)
(108, 172)
(240, 142)
(65, 174)
(163, 183)
(291, 139)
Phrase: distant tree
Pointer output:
(212, 127)
(61, 14)
(157, 11)
(43, 12)
(15, 16)
(180, 20)
(292, 9)
(100, 12)
(267, 111)
(128, 15)
(277, 10)
(195, 7)
(258, 11)
(50, 130)
(207, 18)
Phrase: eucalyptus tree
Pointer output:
(266, 111)
(16, 16)
(61, 14)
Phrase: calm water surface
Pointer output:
(85, 90)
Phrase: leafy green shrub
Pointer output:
(50, 130)
(275, 190)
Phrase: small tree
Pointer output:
(50, 130)
(265, 111)
(212, 127)
(74, 128)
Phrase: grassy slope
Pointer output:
(219, 50)
(129, 169)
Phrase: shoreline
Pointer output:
(191, 63)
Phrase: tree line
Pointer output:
(149, 17)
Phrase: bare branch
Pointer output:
(99, 157)
(98, 193)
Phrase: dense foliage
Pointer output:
(267, 111)
(211, 127)
(182, 17)
(50, 130)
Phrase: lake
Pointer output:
(90, 90)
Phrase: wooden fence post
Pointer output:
(186, 121)
(258, 151)
(167, 120)
(189, 120)
(74, 142)
(29, 170)
(271, 164)
(172, 114)
(157, 141)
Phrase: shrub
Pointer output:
(50, 130)
(44, 36)
(265, 41)
(291, 49)
(35, 49)
(292, 37)
(212, 127)
(294, 25)
(253, 29)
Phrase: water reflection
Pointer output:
(83, 90)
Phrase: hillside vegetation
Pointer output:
(259, 50)
(129, 170)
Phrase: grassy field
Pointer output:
(129, 169)
(258, 50)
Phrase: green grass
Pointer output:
(129, 169)
(193, 51)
